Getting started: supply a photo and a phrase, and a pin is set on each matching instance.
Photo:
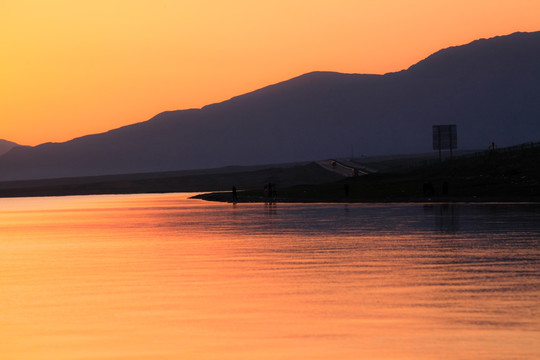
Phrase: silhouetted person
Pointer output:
(428, 189)
(445, 188)
(234, 195)
(346, 187)
(270, 192)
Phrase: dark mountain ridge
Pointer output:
(5, 146)
(490, 88)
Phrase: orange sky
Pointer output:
(70, 68)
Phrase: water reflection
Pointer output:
(165, 277)
(270, 208)
(446, 217)
(452, 218)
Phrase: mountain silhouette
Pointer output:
(5, 146)
(489, 88)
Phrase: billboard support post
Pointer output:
(444, 138)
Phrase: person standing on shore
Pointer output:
(234, 195)
(270, 191)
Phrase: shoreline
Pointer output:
(505, 175)
(226, 197)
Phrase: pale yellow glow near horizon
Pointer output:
(71, 68)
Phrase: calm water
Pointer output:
(166, 277)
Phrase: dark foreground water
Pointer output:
(166, 277)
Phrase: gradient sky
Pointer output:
(70, 68)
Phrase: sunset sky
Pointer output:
(70, 68)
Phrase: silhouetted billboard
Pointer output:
(444, 137)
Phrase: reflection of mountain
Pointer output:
(489, 88)
(5, 146)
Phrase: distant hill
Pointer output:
(5, 146)
(488, 88)
(176, 181)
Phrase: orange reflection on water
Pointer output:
(163, 277)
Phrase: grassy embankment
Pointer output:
(509, 174)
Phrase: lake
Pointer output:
(168, 277)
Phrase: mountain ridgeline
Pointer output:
(489, 88)
(5, 146)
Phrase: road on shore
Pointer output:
(346, 168)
